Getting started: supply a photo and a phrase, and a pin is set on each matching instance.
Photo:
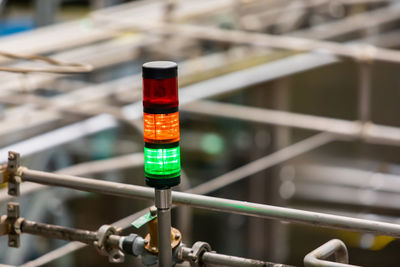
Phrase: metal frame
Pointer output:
(213, 203)
(333, 129)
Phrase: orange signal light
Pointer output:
(161, 128)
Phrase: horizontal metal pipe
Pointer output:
(356, 51)
(286, 214)
(367, 131)
(87, 184)
(58, 232)
(214, 259)
(276, 117)
(213, 203)
(96, 166)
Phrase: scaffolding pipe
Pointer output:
(214, 259)
(364, 130)
(364, 91)
(355, 51)
(58, 232)
(213, 203)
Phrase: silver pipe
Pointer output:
(276, 117)
(364, 91)
(97, 166)
(218, 204)
(335, 246)
(214, 259)
(89, 185)
(163, 203)
(367, 131)
(355, 52)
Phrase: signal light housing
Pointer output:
(162, 165)
(160, 87)
(161, 124)
(161, 128)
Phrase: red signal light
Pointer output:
(160, 86)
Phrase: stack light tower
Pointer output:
(161, 124)
(162, 164)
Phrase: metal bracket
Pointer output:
(193, 255)
(151, 239)
(3, 225)
(13, 213)
(114, 255)
(3, 175)
(13, 179)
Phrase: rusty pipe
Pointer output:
(58, 232)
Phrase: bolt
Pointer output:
(146, 241)
(153, 210)
(177, 236)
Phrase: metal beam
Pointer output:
(366, 131)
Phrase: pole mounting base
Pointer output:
(12, 172)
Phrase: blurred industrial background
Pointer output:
(291, 103)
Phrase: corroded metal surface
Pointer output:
(58, 232)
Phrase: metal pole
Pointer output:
(45, 12)
(218, 204)
(58, 232)
(364, 91)
(163, 202)
(369, 132)
(212, 259)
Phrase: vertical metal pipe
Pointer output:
(259, 186)
(277, 244)
(163, 203)
(364, 91)
(45, 12)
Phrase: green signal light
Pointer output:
(162, 163)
